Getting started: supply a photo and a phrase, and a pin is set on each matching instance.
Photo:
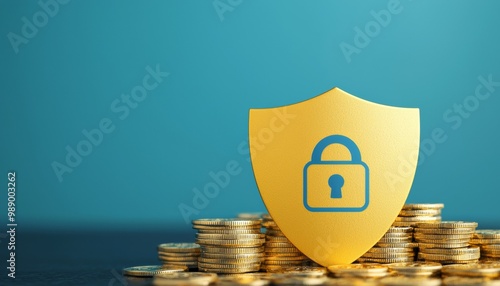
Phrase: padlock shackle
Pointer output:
(336, 139)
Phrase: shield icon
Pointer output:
(334, 171)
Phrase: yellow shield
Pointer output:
(334, 171)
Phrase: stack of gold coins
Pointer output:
(179, 254)
(411, 214)
(484, 238)
(395, 246)
(229, 245)
(446, 242)
(279, 250)
(416, 269)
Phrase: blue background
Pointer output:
(258, 54)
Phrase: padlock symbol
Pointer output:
(334, 185)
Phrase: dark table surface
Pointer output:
(84, 257)
(79, 257)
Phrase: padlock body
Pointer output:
(317, 191)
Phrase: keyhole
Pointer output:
(336, 182)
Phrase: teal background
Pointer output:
(262, 54)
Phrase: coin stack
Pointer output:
(280, 252)
(446, 242)
(184, 254)
(486, 239)
(229, 245)
(395, 246)
(411, 214)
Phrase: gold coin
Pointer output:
(270, 238)
(303, 270)
(247, 260)
(190, 264)
(184, 278)
(444, 230)
(390, 250)
(179, 259)
(232, 255)
(151, 270)
(472, 270)
(226, 265)
(345, 271)
(400, 229)
(409, 281)
(281, 249)
(250, 215)
(274, 232)
(214, 229)
(427, 212)
(480, 241)
(231, 242)
(491, 247)
(398, 245)
(404, 224)
(448, 257)
(284, 254)
(388, 255)
(418, 219)
(442, 236)
(423, 245)
(398, 235)
(179, 247)
(227, 222)
(230, 236)
(215, 249)
(286, 258)
(269, 224)
(179, 254)
(230, 231)
(415, 267)
(386, 260)
(282, 262)
(449, 241)
(278, 244)
(230, 270)
(422, 206)
(487, 233)
(239, 279)
(448, 224)
(394, 240)
(468, 281)
(453, 251)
